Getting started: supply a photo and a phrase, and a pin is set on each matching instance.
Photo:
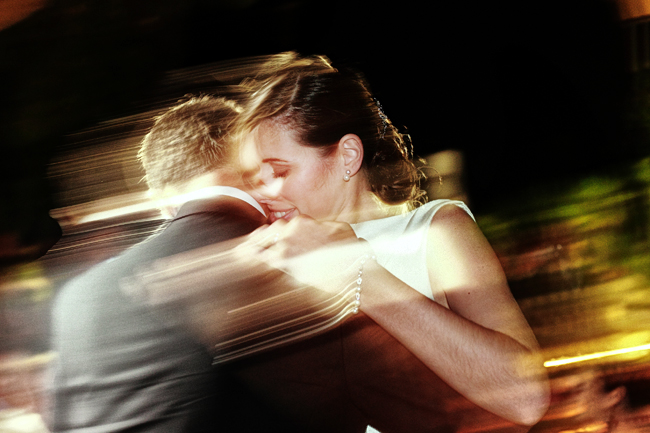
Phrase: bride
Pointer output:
(334, 171)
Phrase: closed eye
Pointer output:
(280, 173)
(279, 170)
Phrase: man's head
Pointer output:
(189, 141)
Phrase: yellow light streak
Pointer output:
(600, 426)
(597, 355)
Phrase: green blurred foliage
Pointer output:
(600, 223)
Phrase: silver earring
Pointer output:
(347, 175)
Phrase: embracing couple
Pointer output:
(307, 162)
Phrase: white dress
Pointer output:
(400, 245)
(400, 242)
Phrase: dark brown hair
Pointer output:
(321, 104)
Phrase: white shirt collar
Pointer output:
(215, 191)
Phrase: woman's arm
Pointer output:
(482, 345)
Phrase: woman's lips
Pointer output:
(276, 215)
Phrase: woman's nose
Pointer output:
(267, 186)
(271, 188)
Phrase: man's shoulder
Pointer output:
(85, 287)
(210, 221)
(222, 207)
(206, 224)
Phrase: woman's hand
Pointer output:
(322, 254)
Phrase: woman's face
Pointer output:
(292, 179)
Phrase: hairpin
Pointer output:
(384, 118)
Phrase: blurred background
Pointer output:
(536, 113)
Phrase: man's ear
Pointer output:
(351, 153)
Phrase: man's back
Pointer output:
(125, 366)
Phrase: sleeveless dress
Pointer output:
(400, 245)
(400, 242)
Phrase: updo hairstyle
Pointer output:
(321, 104)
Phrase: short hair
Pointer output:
(320, 104)
(188, 140)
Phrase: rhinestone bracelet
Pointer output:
(357, 295)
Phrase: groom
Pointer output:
(122, 365)
(125, 364)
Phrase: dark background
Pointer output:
(531, 91)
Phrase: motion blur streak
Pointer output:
(575, 254)
(565, 361)
(236, 305)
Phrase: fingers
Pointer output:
(264, 240)
(267, 235)
(272, 257)
(302, 235)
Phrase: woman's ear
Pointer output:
(351, 152)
